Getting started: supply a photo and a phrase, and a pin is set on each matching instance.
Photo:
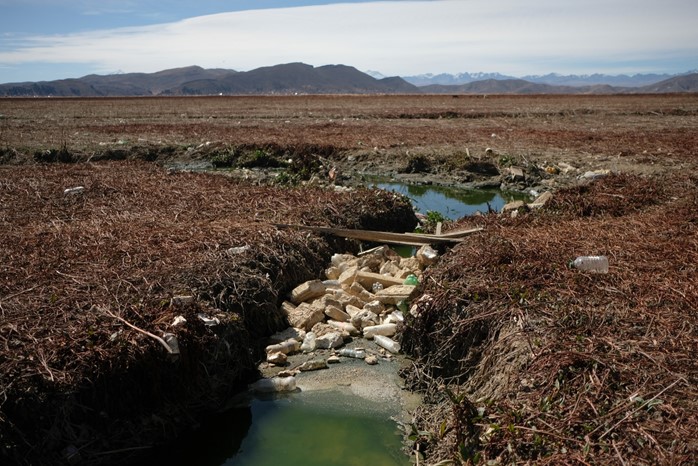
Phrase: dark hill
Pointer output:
(280, 79)
(151, 83)
(686, 83)
(297, 78)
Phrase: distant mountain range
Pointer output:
(299, 78)
(291, 78)
(636, 80)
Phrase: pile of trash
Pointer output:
(363, 296)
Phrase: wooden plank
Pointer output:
(461, 233)
(411, 239)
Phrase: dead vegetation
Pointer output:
(527, 360)
(74, 378)
(523, 359)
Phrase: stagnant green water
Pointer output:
(452, 203)
(310, 429)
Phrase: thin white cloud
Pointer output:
(402, 38)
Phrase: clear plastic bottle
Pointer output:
(309, 343)
(289, 346)
(275, 384)
(387, 343)
(387, 330)
(357, 353)
(598, 264)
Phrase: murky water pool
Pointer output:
(317, 428)
(452, 203)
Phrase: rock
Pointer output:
(329, 340)
(360, 292)
(313, 365)
(323, 301)
(347, 299)
(275, 384)
(353, 310)
(75, 190)
(277, 358)
(238, 250)
(287, 307)
(307, 291)
(410, 263)
(375, 306)
(288, 333)
(371, 360)
(333, 273)
(344, 327)
(334, 312)
(208, 320)
(367, 279)
(182, 302)
(347, 277)
(514, 205)
(395, 294)
(593, 175)
(179, 320)
(426, 255)
(304, 316)
(390, 268)
(364, 319)
(333, 360)
(395, 317)
(541, 200)
(321, 328)
(566, 167)
(342, 261)
(373, 261)
(516, 173)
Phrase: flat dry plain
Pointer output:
(646, 133)
(545, 364)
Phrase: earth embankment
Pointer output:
(131, 243)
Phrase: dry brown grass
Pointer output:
(568, 367)
(73, 374)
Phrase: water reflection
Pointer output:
(218, 440)
(452, 203)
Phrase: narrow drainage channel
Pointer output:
(452, 203)
(348, 413)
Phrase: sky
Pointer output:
(54, 39)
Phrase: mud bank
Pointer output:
(91, 277)
(524, 359)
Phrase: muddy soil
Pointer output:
(379, 135)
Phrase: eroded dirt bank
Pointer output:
(77, 381)
(524, 359)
